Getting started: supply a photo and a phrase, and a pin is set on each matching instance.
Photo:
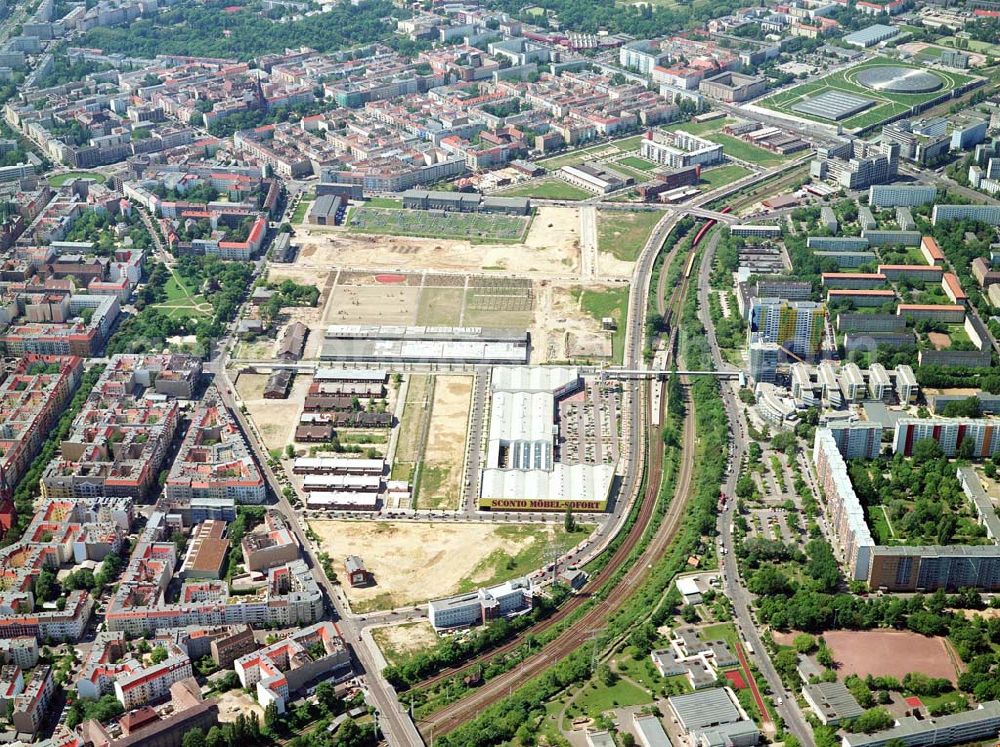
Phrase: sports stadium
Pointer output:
(868, 94)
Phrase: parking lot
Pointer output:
(588, 432)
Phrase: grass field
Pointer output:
(887, 104)
(700, 128)
(501, 565)
(744, 151)
(182, 301)
(440, 307)
(624, 234)
(547, 189)
(722, 632)
(596, 698)
(718, 177)
(974, 46)
(612, 302)
(57, 180)
(301, 210)
(384, 202)
(477, 227)
(637, 163)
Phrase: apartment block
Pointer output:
(214, 460)
(32, 398)
(794, 325)
(951, 434)
(283, 668)
(900, 195)
(985, 213)
(30, 706)
(274, 544)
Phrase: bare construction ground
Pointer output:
(275, 418)
(414, 562)
(550, 248)
(563, 330)
(399, 641)
(441, 471)
(234, 702)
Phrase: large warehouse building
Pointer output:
(388, 343)
(522, 470)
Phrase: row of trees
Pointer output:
(28, 487)
(655, 601)
(196, 29)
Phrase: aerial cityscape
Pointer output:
(571, 373)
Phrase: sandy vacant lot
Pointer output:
(551, 247)
(234, 702)
(412, 562)
(561, 329)
(939, 340)
(372, 304)
(890, 652)
(396, 641)
(275, 418)
(449, 416)
(445, 450)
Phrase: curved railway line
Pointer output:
(453, 715)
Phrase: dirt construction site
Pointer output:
(413, 562)
(378, 279)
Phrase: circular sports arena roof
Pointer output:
(897, 79)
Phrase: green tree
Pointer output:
(158, 655)
(607, 675)
(569, 521)
(193, 738)
(216, 738)
(271, 715)
(804, 643)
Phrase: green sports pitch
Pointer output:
(887, 105)
(435, 224)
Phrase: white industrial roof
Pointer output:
(576, 482)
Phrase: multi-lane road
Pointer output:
(394, 722)
(733, 585)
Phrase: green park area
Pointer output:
(623, 234)
(916, 501)
(636, 163)
(182, 300)
(477, 227)
(301, 210)
(744, 151)
(723, 175)
(700, 128)
(58, 180)
(609, 302)
(547, 189)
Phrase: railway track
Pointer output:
(596, 581)
(453, 715)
